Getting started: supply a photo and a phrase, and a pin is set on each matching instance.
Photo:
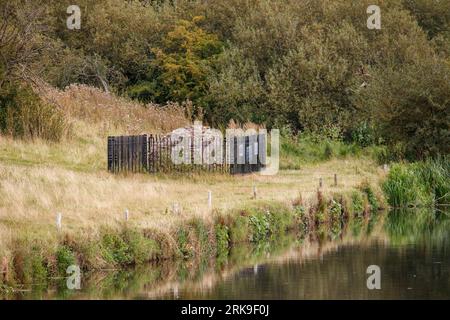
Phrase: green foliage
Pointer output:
(183, 243)
(419, 184)
(239, 229)
(357, 204)
(364, 135)
(412, 105)
(128, 247)
(324, 74)
(260, 224)
(180, 67)
(30, 264)
(403, 187)
(23, 114)
(435, 176)
(298, 150)
(64, 258)
(371, 197)
(328, 152)
(432, 16)
(222, 239)
(335, 211)
(204, 245)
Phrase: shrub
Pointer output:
(23, 114)
(141, 249)
(260, 224)
(64, 258)
(128, 247)
(116, 249)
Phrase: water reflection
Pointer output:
(412, 248)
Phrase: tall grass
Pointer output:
(298, 150)
(24, 114)
(116, 114)
(423, 183)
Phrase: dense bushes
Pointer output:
(412, 104)
(23, 114)
(258, 61)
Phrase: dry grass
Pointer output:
(32, 195)
(115, 114)
(93, 115)
(38, 179)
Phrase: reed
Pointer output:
(425, 183)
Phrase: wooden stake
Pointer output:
(210, 199)
(255, 191)
(320, 183)
(58, 221)
(175, 208)
(335, 180)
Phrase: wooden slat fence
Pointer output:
(152, 153)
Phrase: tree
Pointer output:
(21, 42)
(411, 104)
(180, 66)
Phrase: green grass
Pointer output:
(424, 183)
(296, 151)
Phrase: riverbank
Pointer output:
(168, 216)
(35, 259)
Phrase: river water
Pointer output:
(411, 249)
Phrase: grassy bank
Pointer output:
(39, 179)
(33, 261)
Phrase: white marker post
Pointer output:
(58, 221)
(175, 208)
(127, 214)
(210, 199)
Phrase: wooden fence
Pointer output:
(153, 154)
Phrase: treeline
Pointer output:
(299, 65)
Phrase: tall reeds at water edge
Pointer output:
(424, 183)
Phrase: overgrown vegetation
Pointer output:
(33, 262)
(424, 183)
(23, 114)
(251, 61)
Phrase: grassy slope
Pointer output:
(39, 179)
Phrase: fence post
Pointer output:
(335, 180)
(145, 152)
(59, 221)
(175, 208)
(110, 153)
(210, 199)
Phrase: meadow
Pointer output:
(40, 179)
